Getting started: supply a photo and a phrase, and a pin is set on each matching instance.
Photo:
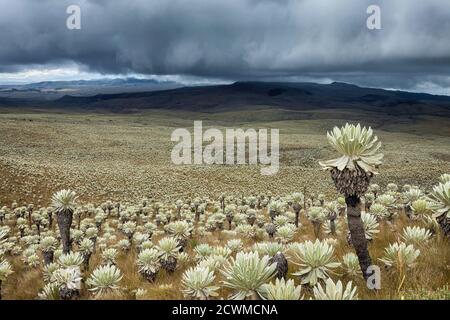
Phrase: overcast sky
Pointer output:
(227, 40)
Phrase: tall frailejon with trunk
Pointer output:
(351, 174)
(298, 200)
(64, 203)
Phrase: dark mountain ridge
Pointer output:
(249, 95)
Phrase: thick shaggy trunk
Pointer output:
(50, 221)
(408, 212)
(229, 219)
(48, 257)
(68, 294)
(94, 249)
(296, 208)
(149, 276)
(357, 233)
(282, 264)
(86, 258)
(332, 217)
(333, 227)
(169, 264)
(444, 222)
(182, 243)
(316, 225)
(29, 219)
(197, 214)
(64, 219)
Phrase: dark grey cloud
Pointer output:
(235, 39)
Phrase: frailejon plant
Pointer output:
(148, 264)
(298, 201)
(275, 251)
(198, 283)
(104, 280)
(315, 259)
(335, 291)
(49, 270)
(86, 248)
(246, 274)
(444, 178)
(285, 233)
(416, 235)
(350, 264)
(5, 271)
(213, 262)
(440, 203)
(109, 256)
(202, 251)
(389, 202)
(371, 226)
(420, 208)
(235, 245)
(68, 281)
(70, 260)
(168, 251)
(331, 210)
(400, 256)
(181, 230)
(379, 211)
(411, 195)
(48, 246)
(352, 173)
(49, 292)
(64, 204)
(281, 290)
(317, 216)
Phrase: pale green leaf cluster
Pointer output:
(440, 200)
(315, 259)
(148, 261)
(198, 283)
(281, 290)
(351, 264)
(399, 255)
(70, 260)
(358, 146)
(371, 225)
(5, 270)
(64, 200)
(168, 247)
(246, 274)
(335, 291)
(104, 279)
(416, 235)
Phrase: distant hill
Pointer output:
(250, 96)
(247, 95)
(51, 90)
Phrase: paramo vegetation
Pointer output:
(256, 246)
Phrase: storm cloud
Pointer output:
(235, 39)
